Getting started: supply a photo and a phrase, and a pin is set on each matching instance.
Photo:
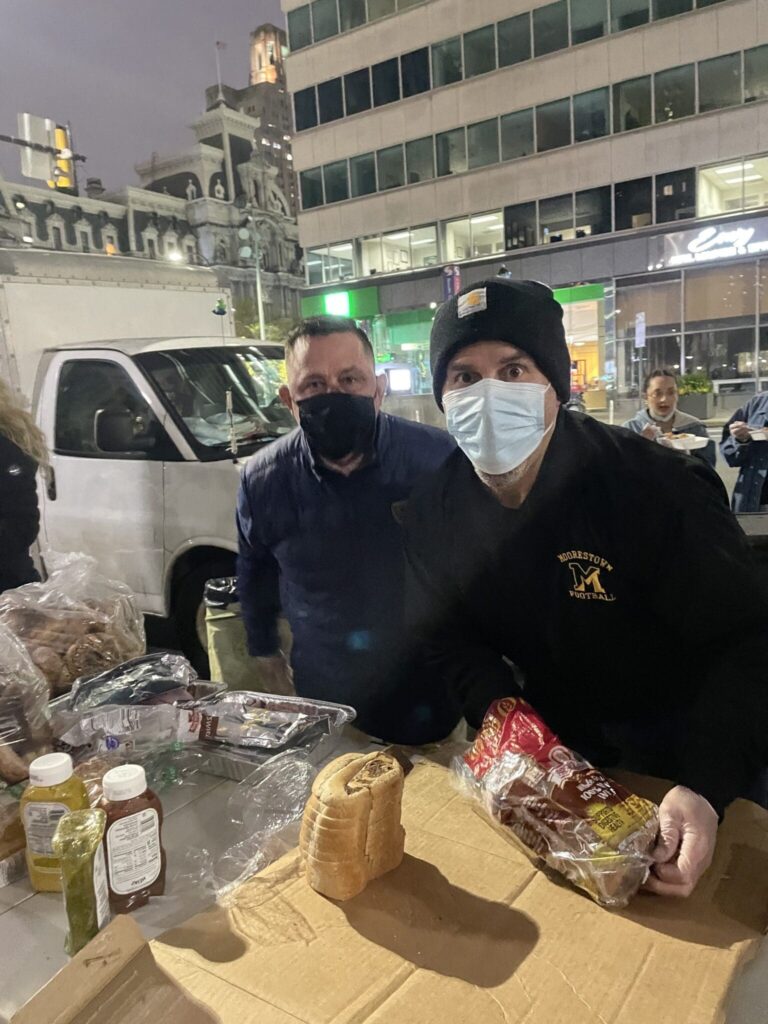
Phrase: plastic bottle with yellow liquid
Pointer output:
(53, 790)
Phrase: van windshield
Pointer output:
(196, 382)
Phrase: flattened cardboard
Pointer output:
(465, 930)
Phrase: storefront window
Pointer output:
(626, 14)
(386, 82)
(305, 109)
(719, 82)
(315, 261)
(389, 164)
(517, 134)
(593, 211)
(675, 196)
(424, 246)
(658, 299)
(733, 186)
(483, 143)
(380, 9)
(446, 62)
(396, 250)
(550, 28)
(669, 8)
(479, 51)
(674, 93)
(553, 125)
(520, 226)
(456, 238)
(755, 74)
(325, 19)
(336, 182)
(487, 233)
(419, 160)
(556, 219)
(589, 20)
(414, 71)
(351, 14)
(340, 262)
(590, 115)
(362, 174)
(329, 101)
(311, 188)
(632, 104)
(719, 321)
(633, 203)
(357, 91)
(299, 28)
(514, 39)
(371, 260)
(451, 151)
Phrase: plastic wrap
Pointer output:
(151, 679)
(560, 808)
(77, 843)
(24, 725)
(12, 865)
(76, 624)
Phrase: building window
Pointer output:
(556, 219)
(396, 251)
(191, 254)
(626, 14)
(351, 14)
(357, 91)
(390, 167)
(719, 82)
(419, 160)
(487, 231)
(386, 82)
(479, 51)
(325, 19)
(632, 104)
(414, 71)
(550, 28)
(340, 266)
(733, 186)
(590, 115)
(305, 109)
(316, 261)
(517, 134)
(514, 39)
(669, 8)
(299, 28)
(330, 103)
(85, 241)
(675, 196)
(451, 150)
(483, 143)
(311, 188)
(755, 74)
(424, 246)
(151, 248)
(589, 20)
(362, 174)
(109, 245)
(520, 226)
(380, 9)
(553, 125)
(632, 201)
(446, 62)
(371, 261)
(58, 241)
(674, 93)
(593, 211)
(456, 239)
(336, 182)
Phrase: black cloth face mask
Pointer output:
(337, 424)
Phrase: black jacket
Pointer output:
(623, 589)
(19, 515)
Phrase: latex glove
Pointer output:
(686, 843)
(651, 431)
(274, 675)
(740, 430)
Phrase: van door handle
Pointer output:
(51, 486)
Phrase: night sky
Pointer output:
(130, 75)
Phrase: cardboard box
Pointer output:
(466, 930)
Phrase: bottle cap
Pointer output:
(125, 782)
(50, 770)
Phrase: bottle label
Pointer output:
(100, 888)
(40, 821)
(134, 857)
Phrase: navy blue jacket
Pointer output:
(19, 515)
(329, 551)
(751, 458)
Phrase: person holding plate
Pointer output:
(744, 447)
(661, 416)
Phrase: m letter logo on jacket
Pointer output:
(588, 583)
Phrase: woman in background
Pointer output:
(22, 451)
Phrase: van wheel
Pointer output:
(190, 612)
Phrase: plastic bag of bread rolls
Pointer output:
(24, 728)
(562, 810)
(77, 623)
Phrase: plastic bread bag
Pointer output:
(24, 725)
(77, 623)
(562, 810)
(123, 730)
(78, 843)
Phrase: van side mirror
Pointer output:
(113, 433)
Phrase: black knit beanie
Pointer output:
(523, 313)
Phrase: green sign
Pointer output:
(359, 303)
(580, 293)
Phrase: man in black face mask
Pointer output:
(319, 538)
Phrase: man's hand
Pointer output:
(274, 675)
(651, 431)
(740, 430)
(686, 843)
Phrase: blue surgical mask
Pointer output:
(497, 424)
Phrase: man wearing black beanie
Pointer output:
(563, 546)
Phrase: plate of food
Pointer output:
(759, 433)
(686, 442)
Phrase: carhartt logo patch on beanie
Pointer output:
(523, 313)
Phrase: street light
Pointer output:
(175, 256)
